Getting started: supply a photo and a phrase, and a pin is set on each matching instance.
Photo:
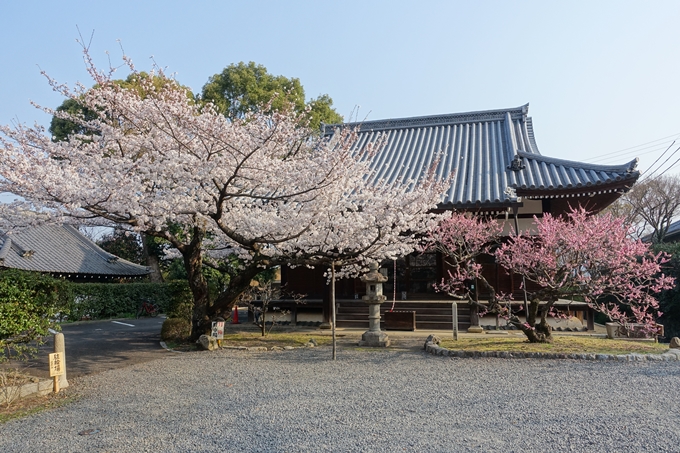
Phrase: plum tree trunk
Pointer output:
(541, 332)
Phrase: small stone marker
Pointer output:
(675, 343)
(59, 347)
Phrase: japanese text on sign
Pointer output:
(56, 364)
(218, 330)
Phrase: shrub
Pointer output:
(181, 300)
(29, 303)
(669, 300)
(176, 329)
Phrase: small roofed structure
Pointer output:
(672, 233)
(62, 251)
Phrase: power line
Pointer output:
(664, 162)
(671, 166)
(636, 153)
(663, 154)
(635, 147)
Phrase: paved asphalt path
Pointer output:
(96, 346)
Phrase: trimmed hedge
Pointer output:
(119, 300)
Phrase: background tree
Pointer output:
(62, 126)
(242, 88)
(650, 206)
(592, 257)
(123, 244)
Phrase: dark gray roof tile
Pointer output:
(62, 249)
(479, 148)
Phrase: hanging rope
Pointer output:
(394, 285)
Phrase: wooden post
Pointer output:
(454, 313)
(333, 307)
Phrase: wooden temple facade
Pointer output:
(498, 171)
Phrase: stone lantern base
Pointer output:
(374, 339)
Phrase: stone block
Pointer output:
(675, 352)
(207, 343)
(432, 339)
(28, 389)
(373, 339)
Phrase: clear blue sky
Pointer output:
(600, 76)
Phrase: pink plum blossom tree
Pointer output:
(462, 238)
(592, 257)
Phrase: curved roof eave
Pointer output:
(490, 156)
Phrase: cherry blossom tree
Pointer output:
(372, 223)
(586, 256)
(262, 186)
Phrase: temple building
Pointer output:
(62, 251)
(498, 171)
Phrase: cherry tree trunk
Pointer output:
(238, 284)
(193, 263)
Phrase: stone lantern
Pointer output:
(374, 297)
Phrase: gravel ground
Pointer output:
(366, 401)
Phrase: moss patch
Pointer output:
(561, 344)
(295, 339)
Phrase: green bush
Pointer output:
(669, 301)
(181, 300)
(29, 303)
(175, 329)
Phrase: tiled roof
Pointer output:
(62, 249)
(488, 152)
(673, 229)
(672, 235)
